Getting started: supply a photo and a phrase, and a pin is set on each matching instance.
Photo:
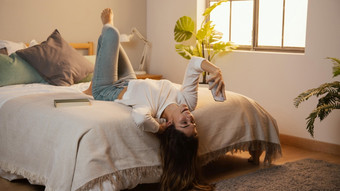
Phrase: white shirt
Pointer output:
(148, 98)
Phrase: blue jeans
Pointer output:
(113, 68)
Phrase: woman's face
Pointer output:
(184, 121)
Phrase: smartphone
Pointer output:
(220, 97)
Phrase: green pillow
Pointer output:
(88, 78)
(92, 60)
(15, 70)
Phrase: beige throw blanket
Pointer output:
(84, 147)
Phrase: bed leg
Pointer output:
(255, 156)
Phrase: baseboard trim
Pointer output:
(309, 144)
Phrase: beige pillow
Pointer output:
(12, 46)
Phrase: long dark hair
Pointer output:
(180, 162)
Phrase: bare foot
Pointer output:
(107, 16)
(89, 90)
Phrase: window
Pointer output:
(271, 25)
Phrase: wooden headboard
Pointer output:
(88, 46)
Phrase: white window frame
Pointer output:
(254, 46)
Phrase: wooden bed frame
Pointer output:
(88, 46)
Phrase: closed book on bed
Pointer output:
(71, 102)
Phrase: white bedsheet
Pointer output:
(97, 146)
(11, 92)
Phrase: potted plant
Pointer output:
(207, 40)
(329, 100)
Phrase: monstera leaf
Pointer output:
(207, 40)
(208, 35)
(186, 51)
(205, 32)
(184, 29)
(220, 47)
(212, 7)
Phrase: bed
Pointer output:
(98, 146)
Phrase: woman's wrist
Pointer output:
(209, 67)
(216, 71)
(161, 128)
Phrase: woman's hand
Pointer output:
(162, 127)
(215, 77)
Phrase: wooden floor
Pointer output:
(226, 167)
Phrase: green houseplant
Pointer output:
(329, 100)
(207, 40)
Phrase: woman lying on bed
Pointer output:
(158, 106)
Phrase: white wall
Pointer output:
(161, 19)
(76, 20)
(272, 79)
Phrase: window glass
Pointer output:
(270, 22)
(279, 25)
(221, 17)
(295, 23)
(242, 22)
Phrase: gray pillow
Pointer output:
(57, 62)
